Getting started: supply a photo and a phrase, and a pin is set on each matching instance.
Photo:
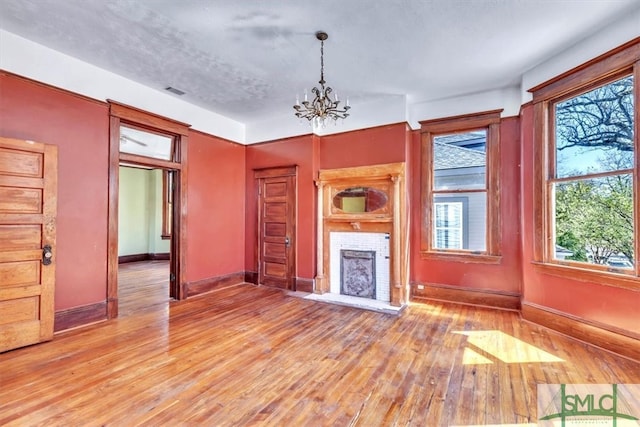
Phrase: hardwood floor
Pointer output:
(248, 355)
(142, 285)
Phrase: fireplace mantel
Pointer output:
(377, 181)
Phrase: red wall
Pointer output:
(215, 207)
(592, 302)
(503, 277)
(379, 145)
(292, 151)
(80, 129)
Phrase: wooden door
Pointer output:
(276, 225)
(28, 196)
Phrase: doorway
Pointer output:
(146, 141)
(144, 236)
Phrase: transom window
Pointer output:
(145, 143)
(460, 159)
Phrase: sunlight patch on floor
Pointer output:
(506, 348)
(471, 357)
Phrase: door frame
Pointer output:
(277, 172)
(124, 114)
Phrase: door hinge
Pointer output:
(172, 277)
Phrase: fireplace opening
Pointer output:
(358, 273)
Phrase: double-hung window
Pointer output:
(586, 136)
(460, 199)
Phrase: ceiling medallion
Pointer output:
(322, 108)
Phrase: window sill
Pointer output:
(461, 257)
(606, 278)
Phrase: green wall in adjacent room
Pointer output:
(140, 212)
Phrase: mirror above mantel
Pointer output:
(359, 200)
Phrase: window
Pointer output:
(587, 178)
(448, 225)
(167, 203)
(144, 143)
(460, 160)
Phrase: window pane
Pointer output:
(459, 221)
(448, 239)
(594, 131)
(448, 225)
(459, 161)
(134, 141)
(594, 221)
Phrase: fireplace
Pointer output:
(358, 273)
(366, 251)
(362, 235)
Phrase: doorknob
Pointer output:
(286, 241)
(46, 255)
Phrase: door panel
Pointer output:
(19, 237)
(277, 250)
(20, 273)
(276, 225)
(15, 163)
(28, 185)
(18, 310)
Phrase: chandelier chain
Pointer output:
(322, 82)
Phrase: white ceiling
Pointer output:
(246, 60)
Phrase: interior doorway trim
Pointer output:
(124, 114)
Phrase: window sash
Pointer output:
(568, 220)
(598, 244)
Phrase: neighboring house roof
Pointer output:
(564, 251)
(447, 156)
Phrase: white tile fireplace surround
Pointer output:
(361, 241)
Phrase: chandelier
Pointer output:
(322, 108)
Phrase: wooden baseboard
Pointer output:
(132, 258)
(143, 257)
(251, 277)
(622, 342)
(460, 295)
(213, 283)
(304, 285)
(79, 316)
